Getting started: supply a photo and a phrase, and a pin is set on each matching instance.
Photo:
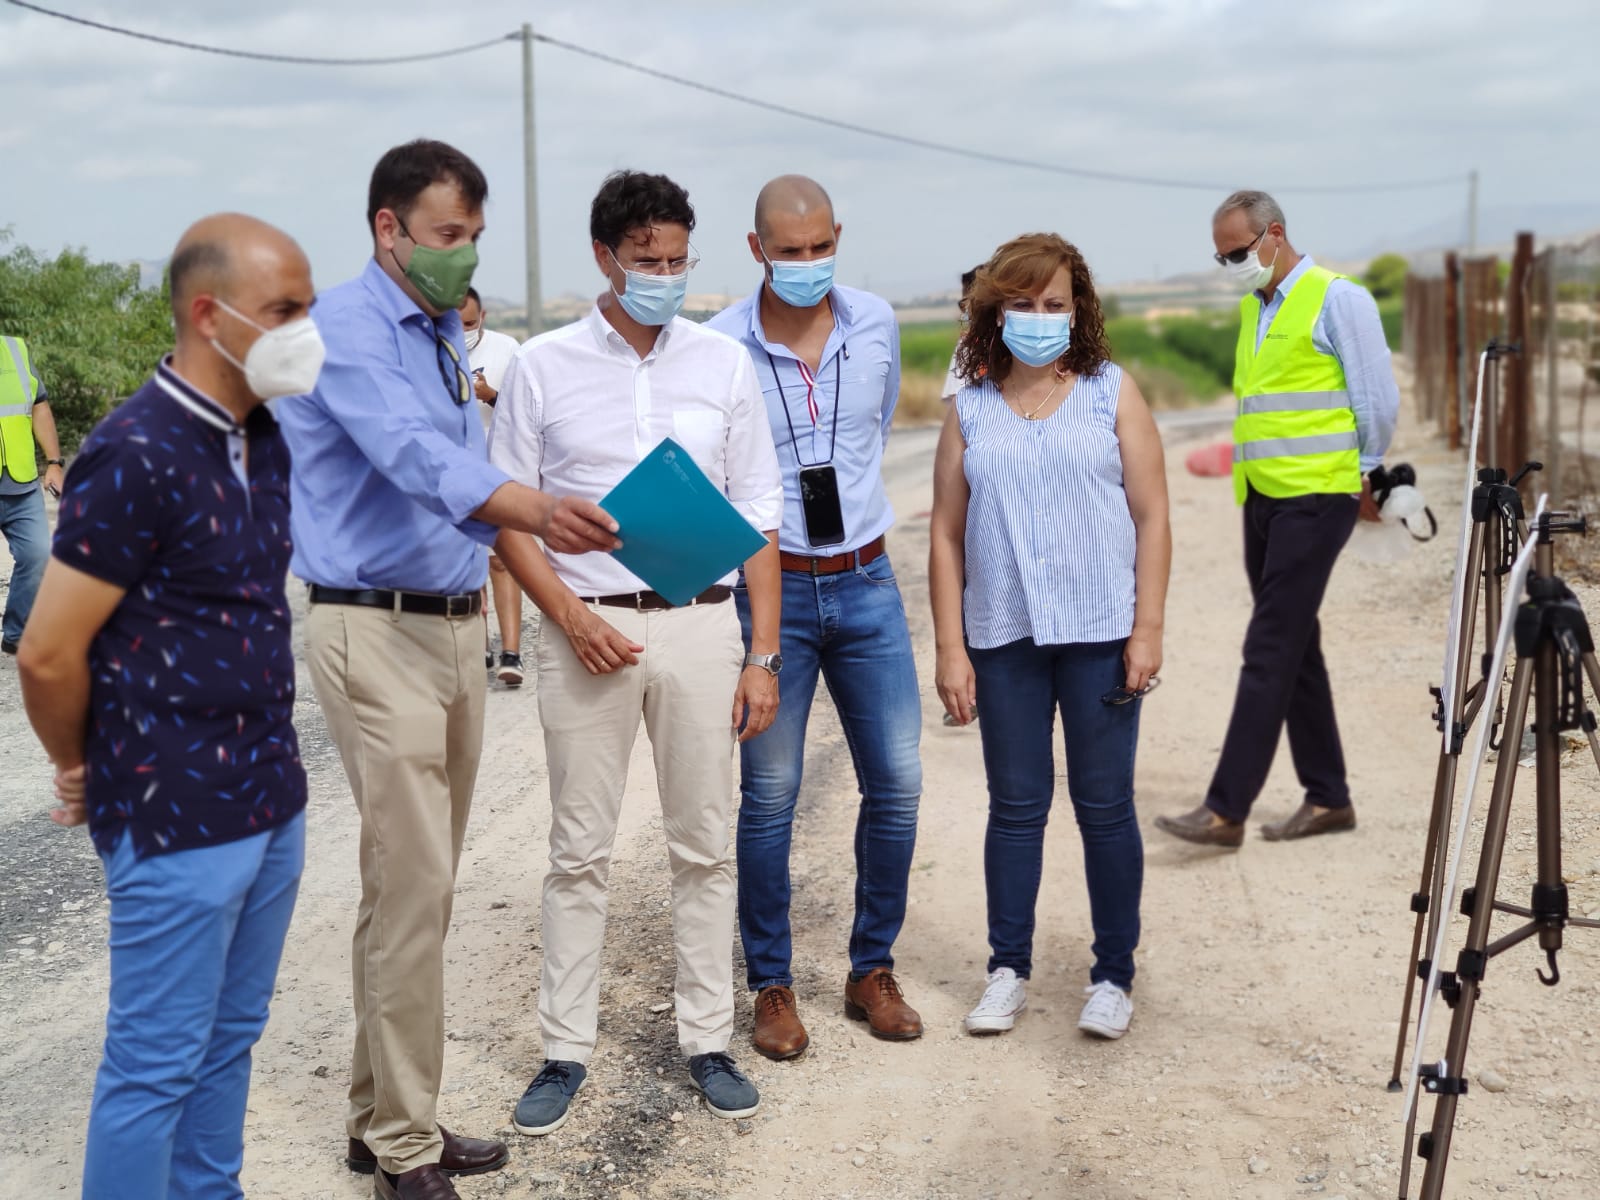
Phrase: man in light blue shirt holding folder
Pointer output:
(828, 358)
(580, 408)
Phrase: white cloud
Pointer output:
(119, 168)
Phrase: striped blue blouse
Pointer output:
(1050, 540)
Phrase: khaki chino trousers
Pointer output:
(403, 696)
(683, 687)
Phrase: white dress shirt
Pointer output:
(492, 355)
(580, 409)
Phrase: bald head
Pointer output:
(791, 196)
(229, 253)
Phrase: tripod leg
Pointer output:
(1591, 667)
(1470, 964)
(1426, 900)
(1430, 892)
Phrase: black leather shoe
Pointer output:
(419, 1183)
(462, 1155)
(1204, 828)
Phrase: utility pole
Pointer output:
(530, 183)
(1472, 209)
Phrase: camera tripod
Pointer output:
(1555, 651)
(1496, 530)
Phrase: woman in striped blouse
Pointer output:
(1048, 571)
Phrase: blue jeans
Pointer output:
(1020, 688)
(195, 941)
(27, 532)
(851, 629)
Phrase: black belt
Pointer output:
(655, 601)
(468, 604)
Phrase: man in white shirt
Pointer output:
(582, 406)
(489, 354)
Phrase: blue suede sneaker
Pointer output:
(544, 1107)
(728, 1093)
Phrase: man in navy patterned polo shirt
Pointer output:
(158, 672)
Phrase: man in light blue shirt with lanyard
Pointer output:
(393, 503)
(828, 359)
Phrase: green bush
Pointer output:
(927, 348)
(93, 334)
(1386, 276)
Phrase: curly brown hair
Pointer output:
(1024, 266)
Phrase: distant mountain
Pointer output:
(1498, 226)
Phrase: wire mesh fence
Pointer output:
(1546, 306)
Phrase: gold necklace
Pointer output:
(1032, 414)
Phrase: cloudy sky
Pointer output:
(116, 145)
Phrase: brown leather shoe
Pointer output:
(778, 1033)
(876, 998)
(462, 1155)
(1308, 821)
(419, 1183)
(1204, 828)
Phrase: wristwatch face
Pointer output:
(775, 663)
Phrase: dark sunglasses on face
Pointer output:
(1238, 255)
(1122, 695)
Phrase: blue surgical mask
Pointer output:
(802, 284)
(1037, 338)
(651, 299)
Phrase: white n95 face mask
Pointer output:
(284, 361)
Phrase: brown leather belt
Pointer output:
(831, 564)
(656, 602)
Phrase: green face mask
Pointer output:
(442, 276)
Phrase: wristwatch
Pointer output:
(55, 462)
(770, 663)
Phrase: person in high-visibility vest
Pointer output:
(1317, 408)
(24, 416)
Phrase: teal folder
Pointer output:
(678, 531)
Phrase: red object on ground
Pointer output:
(1215, 459)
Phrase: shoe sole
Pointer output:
(511, 680)
(1195, 838)
(727, 1114)
(541, 1130)
(777, 1057)
(1300, 837)
(856, 1013)
(366, 1167)
(990, 1025)
(1108, 1032)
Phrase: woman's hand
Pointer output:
(957, 684)
(1141, 657)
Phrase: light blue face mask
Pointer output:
(802, 284)
(1037, 338)
(651, 299)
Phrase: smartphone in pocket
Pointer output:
(819, 505)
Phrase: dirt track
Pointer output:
(1268, 990)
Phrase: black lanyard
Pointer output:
(833, 437)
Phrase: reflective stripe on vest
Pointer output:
(1317, 443)
(1295, 433)
(17, 394)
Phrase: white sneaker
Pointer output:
(1107, 1011)
(1003, 998)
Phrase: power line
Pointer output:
(982, 155)
(279, 58)
(767, 106)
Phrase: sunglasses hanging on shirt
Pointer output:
(820, 506)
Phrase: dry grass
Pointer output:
(921, 402)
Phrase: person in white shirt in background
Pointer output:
(953, 382)
(583, 405)
(489, 354)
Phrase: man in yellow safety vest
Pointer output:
(24, 415)
(1317, 407)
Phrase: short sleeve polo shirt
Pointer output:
(190, 740)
